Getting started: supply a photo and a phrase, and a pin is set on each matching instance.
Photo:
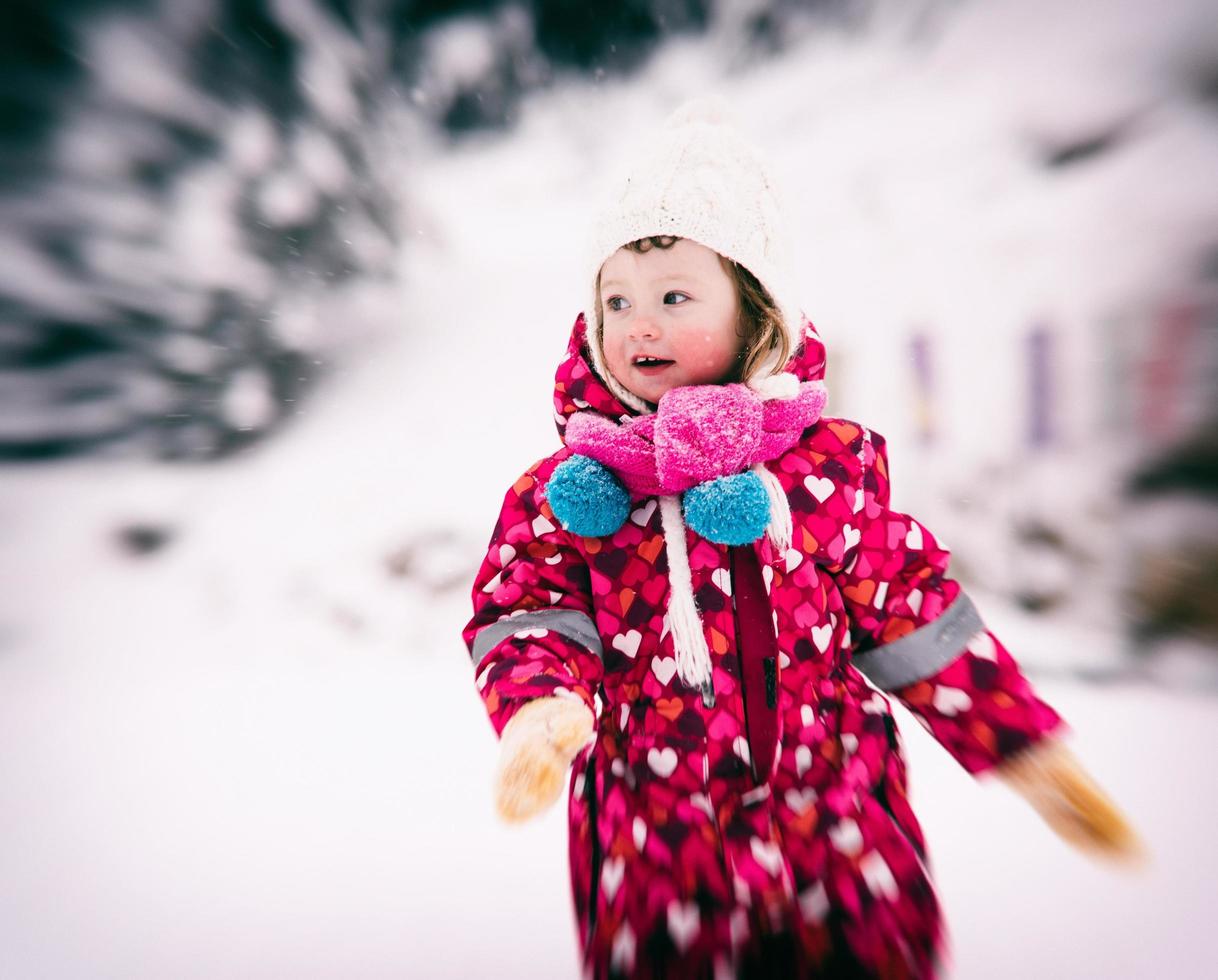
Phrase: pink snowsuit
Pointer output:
(689, 857)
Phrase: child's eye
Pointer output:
(616, 303)
(674, 298)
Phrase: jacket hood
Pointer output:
(577, 386)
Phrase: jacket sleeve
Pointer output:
(917, 635)
(532, 633)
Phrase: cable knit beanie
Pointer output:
(703, 181)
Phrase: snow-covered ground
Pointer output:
(257, 751)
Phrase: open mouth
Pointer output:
(651, 363)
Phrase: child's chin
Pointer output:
(651, 389)
(651, 393)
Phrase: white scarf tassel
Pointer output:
(779, 529)
(684, 621)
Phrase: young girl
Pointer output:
(699, 600)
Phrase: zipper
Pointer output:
(595, 840)
(769, 671)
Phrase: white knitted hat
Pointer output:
(701, 180)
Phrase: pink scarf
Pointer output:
(697, 433)
(700, 433)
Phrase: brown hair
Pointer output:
(761, 327)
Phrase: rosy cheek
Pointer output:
(614, 356)
(704, 349)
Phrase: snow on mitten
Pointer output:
(535, 752)
(1050, 778)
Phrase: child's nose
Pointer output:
(643, 327)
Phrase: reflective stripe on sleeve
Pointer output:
(571, 623)
(925, 651)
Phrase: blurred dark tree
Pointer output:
(191, 188)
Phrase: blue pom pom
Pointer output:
(729, 510)
(587, 498)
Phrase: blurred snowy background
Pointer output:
(283, 285)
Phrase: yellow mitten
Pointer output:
(1049, 777)
(535, 752)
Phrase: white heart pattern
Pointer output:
(664, 668)
(628, 643)
(506, 554)
(740, 746)
(612, 872)
(982, 645)
(881, 593)
(663, 762)
(821, 636)
(642, 516)
(639, 830)
(723, 580)
(821, 487)
(794, 559)
(846, 836)
(951, 700)
(755, 795)
(621, 957)
(879, 877)
(874, 705)
(684, 923)
(741, 888)
(851, 536)
(913, 540)
(803, 759)
(531, 634)
(814, 903)
(542, 525)
(767, 576)
(767, 854)
(807, 714)
(738, 926)
(800, 799)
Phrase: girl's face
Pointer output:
(670, 317)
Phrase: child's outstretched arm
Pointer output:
(535, 648)
(918, 636)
